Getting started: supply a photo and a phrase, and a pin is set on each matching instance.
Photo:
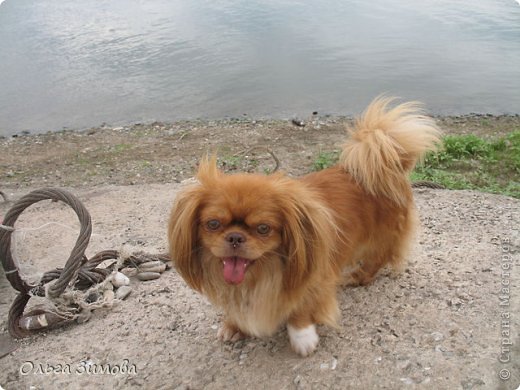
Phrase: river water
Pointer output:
(77, 64)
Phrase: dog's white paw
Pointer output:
(303, 340)
(229, 333)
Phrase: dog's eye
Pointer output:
(213, 224)
(263, 228)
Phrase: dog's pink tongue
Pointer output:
(234, 269)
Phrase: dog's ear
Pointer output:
(308, 237)
(183, 236)
(208, 171)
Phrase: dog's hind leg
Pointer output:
(386, 249)
(392, 254)
(367, 271)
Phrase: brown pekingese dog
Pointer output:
(271, 250)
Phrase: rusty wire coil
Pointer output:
(79, 272)
(77, 256)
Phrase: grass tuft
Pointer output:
(464, 162)
(471, 162)
(325, 160)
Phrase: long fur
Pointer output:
(384, 146)
(358, 215)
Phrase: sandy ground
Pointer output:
(442, 324)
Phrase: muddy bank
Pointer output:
(169, 152)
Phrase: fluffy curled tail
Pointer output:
(384, 146)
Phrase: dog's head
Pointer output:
(244, 221)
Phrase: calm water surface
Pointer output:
(77, 64)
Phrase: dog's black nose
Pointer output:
(235, 239)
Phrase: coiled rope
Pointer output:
(79, 272)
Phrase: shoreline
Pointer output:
(471, 116)
(168, 152)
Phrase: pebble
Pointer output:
(455, 302)
(129, 271)
(83, 316)
(108, 295)
(437, 336)
(298, 122)
(123, 292)
(148, 276)
(471, 383)
(120, 279)
(92, 297)
(152, 266)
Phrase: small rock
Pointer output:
(405, 366)
(123, 292)
(298, 122)
(152, 266)
(92, 297)
(470, 383)
(129, 271)
(148, 276)
(454, 302)
(83, 316)
(376, 340)
(108, 295)
(120, 279)
(437, 336)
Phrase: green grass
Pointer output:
(231, 162)
(470, 162)
(464, 162)
(325, 160)
(121, 148)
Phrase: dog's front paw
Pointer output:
(303, 340)
(229, 332)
